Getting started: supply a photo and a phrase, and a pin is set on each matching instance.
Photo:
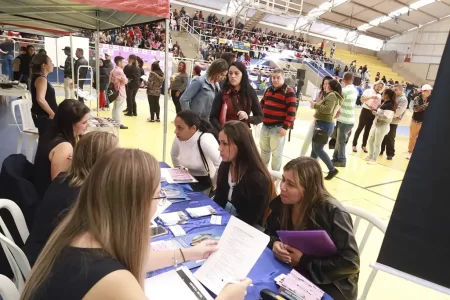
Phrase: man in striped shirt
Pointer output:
(279, 107)
(345, 120)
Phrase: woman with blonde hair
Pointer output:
(101, 250)
(305, 204)
(64, 190)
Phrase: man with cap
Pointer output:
(420, 106)
(107, 63)
(81, 61)
(69, 92)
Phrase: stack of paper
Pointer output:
(295, 286)
(175, 284)
(174, 191)
(177, 176)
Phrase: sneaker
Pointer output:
(364, 149)
(381, 153)
(372, 162)
(367, 158)
(332, 174)
(134, 114)
(389, 158)
(340, 164)
(409, 156)
(128, 114)
(125, 111)
(354, 149)
(158, 120)
(123, 127)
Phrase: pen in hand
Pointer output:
(233, 281)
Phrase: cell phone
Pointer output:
(157, 231)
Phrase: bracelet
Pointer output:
(182, 255)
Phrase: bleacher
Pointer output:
(373, 64)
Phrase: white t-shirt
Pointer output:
(186, 154)
(371, 104)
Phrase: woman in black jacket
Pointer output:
(244, 185)
(133, 74)
(305, 204)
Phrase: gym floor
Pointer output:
(371, 187)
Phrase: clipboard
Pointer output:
(309, 242)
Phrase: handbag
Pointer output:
(320, 136)
(112, 93)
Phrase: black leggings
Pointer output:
(176, 101)
(131, 99)
(365, 122)
(153, 102)
(42, 123)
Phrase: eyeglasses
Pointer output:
(161, 199)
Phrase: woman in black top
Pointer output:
(244, 185)
(101, 249)
(305, 204)
(56, 147)
(42, 93)
(63, 191)
(133, 74)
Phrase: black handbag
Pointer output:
(320, 136)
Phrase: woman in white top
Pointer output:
(196, 148)
(371, 99)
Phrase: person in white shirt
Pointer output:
(371, 100)
(196, 148)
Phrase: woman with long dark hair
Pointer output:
(133, 74)
(179, 83)
(155, 80)
(325, 113)
(381, 124)
(236, 100)
(305, 204)
(244, 185)
(319, 98)
(56, 147)
(42, 94)
(195, 147)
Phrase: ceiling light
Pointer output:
(399, 11)
(421, 3)
(364, 27)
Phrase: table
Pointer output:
(103, 124)
(15, 91)
(265, 269)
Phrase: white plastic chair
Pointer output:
(28, 129)
(8, 290)
(277, 176)
(373, 221)
(18, 217)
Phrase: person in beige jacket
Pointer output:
(325, 113)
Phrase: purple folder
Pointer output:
(309, 242)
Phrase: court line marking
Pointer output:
(380, 184)
(361, 187)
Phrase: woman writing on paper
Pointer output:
(195, 148)
(244, 185)
(305, 204)
(101, 249)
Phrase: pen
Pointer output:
(233, 281)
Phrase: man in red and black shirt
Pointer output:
(279, 107)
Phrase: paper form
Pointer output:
(175, 284)
(240, 247)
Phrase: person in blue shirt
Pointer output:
(360, 92)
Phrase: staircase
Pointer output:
(254, 20)
(189, 43)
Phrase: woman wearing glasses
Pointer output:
(101, 249)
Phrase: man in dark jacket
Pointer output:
(25, 62)
(81, 61)
(69, 92)
(109, 66)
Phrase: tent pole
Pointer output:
(71, 62)
(57, 61)
(166, 84)
(97, 63)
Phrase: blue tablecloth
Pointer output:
(265, 269)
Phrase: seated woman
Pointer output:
(55, 149)
(63, 191)
(195, 148)
(101, 249)
(305, 204)
(244, 185)
(236, 100)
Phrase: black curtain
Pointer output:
(417, 240)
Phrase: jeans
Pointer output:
(117, 109)
(80, 86)
(131, 99)
(271, 142)
(69, 92)
(317, 149)
(377, 133)
(342, 132)
(388, 143)
(7, 66)
(365, 122)
(153, 102)
(308, 139)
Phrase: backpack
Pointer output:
(112, 93)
